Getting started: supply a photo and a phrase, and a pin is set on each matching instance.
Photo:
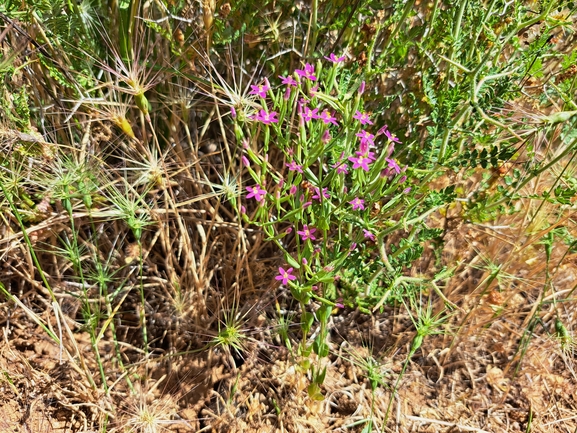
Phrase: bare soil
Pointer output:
(493, 369)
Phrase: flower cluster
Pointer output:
(311, 190)
(327, 189)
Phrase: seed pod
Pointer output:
(124, 125)
(142, 104)
(208, 8)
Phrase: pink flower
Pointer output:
(363, 118)
(293, 166)
(361, 161)
(393, 165)
(285, 276)
(308, 72)
(313, 91)
(382, 130)
(326, 137)
(333, 58)
(339, 303)
(245, 161)
(309, 114)
(293, 190)
(317, 194)
(259, 90)
(257, 192)
(362, 88)
(289, 81)
(358, 203)
(327, 118)
(267, 118)
(369, 235)
(307, 233)
(392, 137)
(366, 137)
(341, 168)
(233, 112)
(367, 154)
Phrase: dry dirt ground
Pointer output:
(493, 369)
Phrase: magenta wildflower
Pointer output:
(267, 118)
(327, 118)
(333, 58)
(367, 154)
(309, 114)
(392, 137)
(293, 166)
(339, 303)
(308, 72)
(407, 190)
(307, 233)
(259, 90)
(317, 194)
(364, 118)
(362, 161)
(285, 276)
(289, 81)
(353, 246)
(233, 112)
(366, 137)
(242, 210)
(313, 91)
(326, 137)
(393, 165)
(362, 88)
(257, 192)
(293, 190)
(369, 235)
(341, 168)
(357, 203)
(245, 161)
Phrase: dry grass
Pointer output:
(137, 299)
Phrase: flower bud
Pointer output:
(390, 150)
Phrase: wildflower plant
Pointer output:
(328, 192)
